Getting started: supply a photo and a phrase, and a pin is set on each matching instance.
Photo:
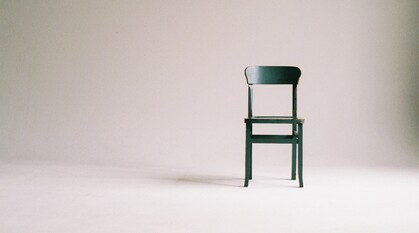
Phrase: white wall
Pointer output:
(160, 83)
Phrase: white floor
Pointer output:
(64, 198)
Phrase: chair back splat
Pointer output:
(272, 75)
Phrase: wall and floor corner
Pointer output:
(132, 111)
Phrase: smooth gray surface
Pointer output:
(56, 198)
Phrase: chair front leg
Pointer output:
(248, 154)
(300, 154)
(251, 154)
(293, 161)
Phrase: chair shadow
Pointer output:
(222, 180)
(271, 178)
(204, 179)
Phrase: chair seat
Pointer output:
(258, 138)
(273, 120)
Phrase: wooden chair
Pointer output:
(274, 75)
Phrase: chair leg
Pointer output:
(300, 154)
(251, 161)
(293, 161)
(248, 155)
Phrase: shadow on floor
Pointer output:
(224, 180)
(204, 179)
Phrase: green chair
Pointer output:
(274, 75)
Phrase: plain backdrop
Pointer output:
(127, 116)
(161, 83)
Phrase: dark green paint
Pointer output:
(274, 75)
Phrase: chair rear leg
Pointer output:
(300, 154)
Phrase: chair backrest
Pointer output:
(272, 75)
(276, 75)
